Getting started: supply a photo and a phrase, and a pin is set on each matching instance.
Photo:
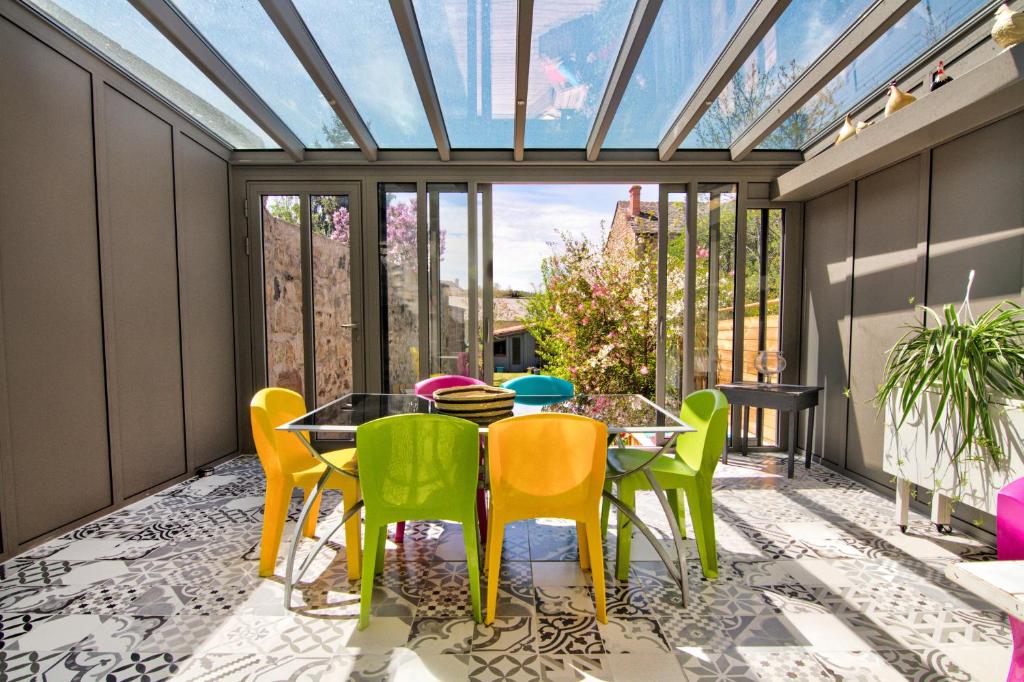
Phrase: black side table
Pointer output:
(783, 397)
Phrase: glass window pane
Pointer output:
(124, 36)
(400, 287)
(573, 49)
(449, 277)
(686, 39)
(675, 305)
(716, 271)
(803, 32)
(282, 279)
(762, 306)
(332, 296)
(366, 53)
(471, 47)
(246, 37)
(911, 36)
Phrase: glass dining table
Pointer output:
(624, 414)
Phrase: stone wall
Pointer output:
(332, 307)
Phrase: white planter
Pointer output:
(915, 454)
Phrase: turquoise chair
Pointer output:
(690, 470)
(540, 385)
(417, 467)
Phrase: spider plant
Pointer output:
(968, 362)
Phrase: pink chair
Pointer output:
(1010, 546)
(426, 389)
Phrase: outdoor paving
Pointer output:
(816, 582)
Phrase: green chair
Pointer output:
(690, 470)
(417, 467)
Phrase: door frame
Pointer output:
(362, 337)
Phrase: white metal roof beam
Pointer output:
(416, 53)
(640, 25)
(524, 40)
(866, 30)
(759, 20)
(294, 30)
(181, 33)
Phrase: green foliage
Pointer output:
(594, 318)
(968, 363)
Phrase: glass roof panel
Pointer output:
(115, 29)
(804, 31)
(471, 48)
(248, 40)
(686, 39)
(905, 42)
(367, 55)
(573, 49)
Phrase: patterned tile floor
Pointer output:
(815, 583)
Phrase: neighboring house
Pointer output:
(636, 221)
(515, 349)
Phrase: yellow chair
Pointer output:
(547, 466)
(289, 465)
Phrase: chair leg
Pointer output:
(275, 512)
(606, 508)
(581, 540)
(481, 513)
(309, 528)
(353, 543)
(593, 533)
(625, 532)
(494, 542)
(400, 532)
(383, 541)
(470, 533)
(699, 498)
(373, 537)
(679, 510)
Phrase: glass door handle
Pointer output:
(350, 325)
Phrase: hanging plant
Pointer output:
(968, 363)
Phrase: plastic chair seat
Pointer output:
(622, 460)
(343, 459)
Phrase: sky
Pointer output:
(527, 219)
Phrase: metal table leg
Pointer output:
(289, 583)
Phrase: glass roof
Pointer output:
(803, 32)
(470, 50)
(572, 52)
(908, 39)
(114, 28)
(686, 39)
(366, 54)
(248, 40)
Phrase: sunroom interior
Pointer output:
(203, 200)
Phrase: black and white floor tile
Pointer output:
(815, 583)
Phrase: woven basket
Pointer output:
(480, 404)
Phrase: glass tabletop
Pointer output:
(623, 413)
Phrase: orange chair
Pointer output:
(289, 465)
(547, 466)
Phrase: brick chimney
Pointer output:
(634, 200)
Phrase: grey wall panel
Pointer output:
(977, 215)
(141, 242)
(204, 238)
(825, 319)
(56, 439)
(884, 285)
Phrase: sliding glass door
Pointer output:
(435, 284)
(307, 293)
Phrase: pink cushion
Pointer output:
(427, 387)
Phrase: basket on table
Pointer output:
(480, 404)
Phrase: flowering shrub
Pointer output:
(594, 318)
